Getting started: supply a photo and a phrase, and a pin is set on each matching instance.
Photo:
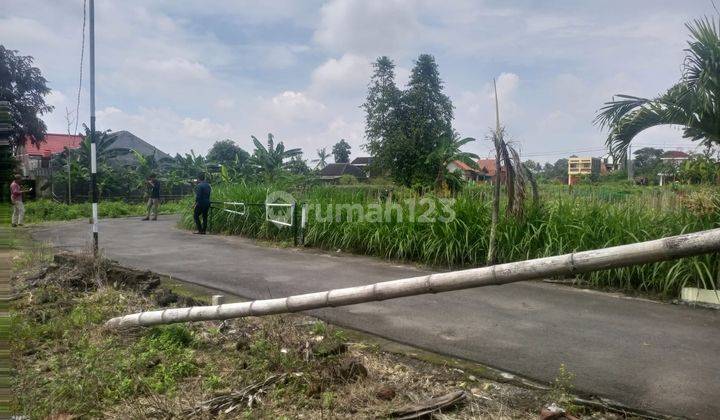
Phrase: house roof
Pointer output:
(128, 140)
(674, 154)
(54, 143)
(487, 166)
(336, 170)
(363, 160)
(463, 166)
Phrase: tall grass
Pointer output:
(563, 223)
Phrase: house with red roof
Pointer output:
(674, 157)
(35, 159)
(485, 170)
(487, 167)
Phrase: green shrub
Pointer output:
(47, 210)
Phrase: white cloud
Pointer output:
(291, 105)
(165, 129)
(183, 75)
(369, 27)
(349, 73)
(176, 68)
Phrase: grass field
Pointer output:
(46, 210)
(588, 218)
(66, 364)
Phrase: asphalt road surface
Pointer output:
(648, 355)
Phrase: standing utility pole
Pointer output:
(93, 153)
(629, 165)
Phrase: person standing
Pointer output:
(154, 201)
(16, 192)
(202, 204)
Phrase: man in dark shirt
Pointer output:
(202, 204)
(154, 201)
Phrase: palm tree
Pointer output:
(447, 152)
(693, 103)
(322, 158)
(269, 161)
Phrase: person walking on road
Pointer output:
(202, 204)
(154, 201)
(16, 192)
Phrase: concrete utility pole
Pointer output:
(93, 152)
(631, 175)
(673, 247)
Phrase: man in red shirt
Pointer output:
(16, 193)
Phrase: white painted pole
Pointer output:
(568, 264)
(93, 150)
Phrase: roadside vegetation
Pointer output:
(67, 364)
(39, 211)
(562, 223)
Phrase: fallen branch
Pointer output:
(229, 402)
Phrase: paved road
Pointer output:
(648, 355)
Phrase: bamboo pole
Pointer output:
(579, 262)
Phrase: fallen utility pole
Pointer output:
(579, 262)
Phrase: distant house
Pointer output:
(362, 161)
(35, 160)
(488, 170)
(673, 158)
(127, 140)
(333, 171)
(469, 174)
(580, 166)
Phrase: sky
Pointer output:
(183, 74)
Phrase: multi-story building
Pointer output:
(581, 166)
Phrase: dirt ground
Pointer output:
(67, 364)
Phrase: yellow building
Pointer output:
(579, 166)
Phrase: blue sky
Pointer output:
(183, 74)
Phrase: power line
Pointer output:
(82, 57)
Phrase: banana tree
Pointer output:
(269, 161)
(448, 151)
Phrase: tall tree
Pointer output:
(297, 165)
(693, 103)
(341, 151)
(427, 118)
(24, 87)
(647, 161)
(226, 152)
(405, 128)
(382, 120)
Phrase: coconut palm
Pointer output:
(321, 161)
(693, 103)
(268, 161)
